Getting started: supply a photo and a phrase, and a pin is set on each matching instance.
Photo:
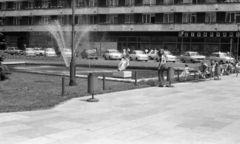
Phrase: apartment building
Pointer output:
(177, 25)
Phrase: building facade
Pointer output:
(177, 25)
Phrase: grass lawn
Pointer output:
(24, 92)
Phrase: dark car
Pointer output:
(89, 54)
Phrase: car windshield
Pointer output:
(50, 50)
(29, 49)
(167, 52)
(90, 51)
(140, 52)
(113, 51)
(215, 55)
(224, 55)
(194, 54)
(67, 50)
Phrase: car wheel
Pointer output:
(96, 58)
(146, 60)
(174, 61)
(192, 61)
(105, 57)
(183, 60)
(136, 59)
(131, 59)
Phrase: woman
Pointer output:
(161, 67)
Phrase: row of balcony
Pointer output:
(60, 4)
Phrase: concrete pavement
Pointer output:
(190, 113)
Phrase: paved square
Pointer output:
(190, 113)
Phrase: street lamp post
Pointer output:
(72, 63)
(237, 40)
(182, 33)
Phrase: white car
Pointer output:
(39, 52)
(138, 55)
(170, 57)
(190, 56)
(49, 52)
(221, 57)
(67, 52)
(112, 54)
(152, 55)
(29, 52)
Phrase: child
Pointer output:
(185, 72)
(203, 69)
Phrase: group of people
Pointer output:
(204, 69)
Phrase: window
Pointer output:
(193, 18)
(46, 4)
(129, 2)
(45, 20)
(80, 3)
(129, 18)
(210, 17)
(168, 2)
(17, 5)
(92, 19)
(186, 18)
(211, 1)
(168, 18)
(186, 1)
(230, 17)
(149, 2)
(3, 6)
(238, 17)
(112, 19)
(83, 19)
(112, 2)
(30, 4)
(92, 3)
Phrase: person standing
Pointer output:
(213, 64)
(237, 67)
(161, 67)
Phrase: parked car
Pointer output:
(170, 57)
(221, 57)
(89, 54)
(152, 55)
(191, 56)
(138, 55)
(39, 52)
(29, 52)
(112, 54)
(49, 52)
(13, 50)
(67, 52)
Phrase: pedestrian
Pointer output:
(217, 71)
(161, 67)
(185, 72)
(124, 52)
(203, 69)
(237, 67)
(128, 50)
(212, 70)
(146, 51)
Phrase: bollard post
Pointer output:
(103, 81)
(178, 73)
(63, 86)
(217, 72)
(170, 76)
(135, 77)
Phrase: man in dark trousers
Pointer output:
(161, 67)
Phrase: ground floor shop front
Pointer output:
(176, 42)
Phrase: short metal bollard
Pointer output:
(217, 72)
(92, 86)
(178, 74)
(104, 81)
(63, 86)
(170, 76)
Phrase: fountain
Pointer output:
(63, 39)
